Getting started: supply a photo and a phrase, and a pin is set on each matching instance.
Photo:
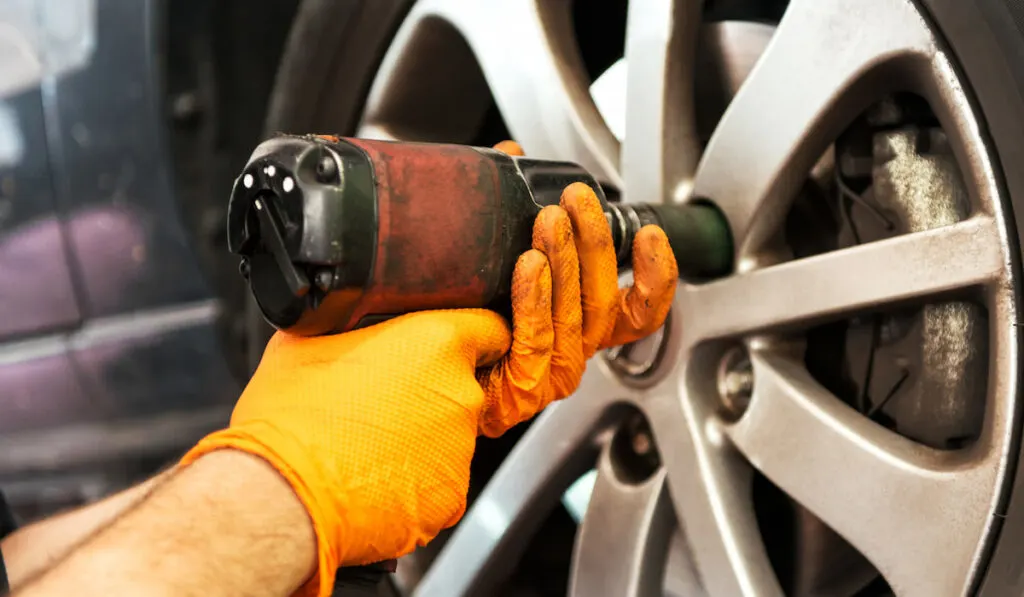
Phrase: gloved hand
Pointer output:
(572, 245)
(375, 429)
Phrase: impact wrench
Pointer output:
(336, 234)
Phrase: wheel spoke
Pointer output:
(806, 87)
(681, 579)
(556, 450)
(526, 51)
(855, 279)
(710, 485)
(918, 514)
(622, 544)
(661, 147)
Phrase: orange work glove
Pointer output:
(375, 429)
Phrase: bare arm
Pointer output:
(31, 549)
(228, 525)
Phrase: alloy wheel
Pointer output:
(733, 397)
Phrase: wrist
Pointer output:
(252, 503)
(274, 451)
(199, 533)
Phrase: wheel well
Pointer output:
(219, 61)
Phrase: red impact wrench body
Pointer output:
(336, 234)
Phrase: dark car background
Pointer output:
(121, 314)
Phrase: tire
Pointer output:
(330, 58)
(986, 38)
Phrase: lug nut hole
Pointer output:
(634, 453)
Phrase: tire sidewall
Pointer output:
(988, 47)
(331, 57)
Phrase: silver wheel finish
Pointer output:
(920, 515)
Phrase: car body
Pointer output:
(112, 351)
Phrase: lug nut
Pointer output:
(634, 450)
(642, 443)
(739, 382)
(735, 381)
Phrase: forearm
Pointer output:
(32, 549)
(226, 525)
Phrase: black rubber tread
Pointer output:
(346, 38)
(351, 35)
(986, 37)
